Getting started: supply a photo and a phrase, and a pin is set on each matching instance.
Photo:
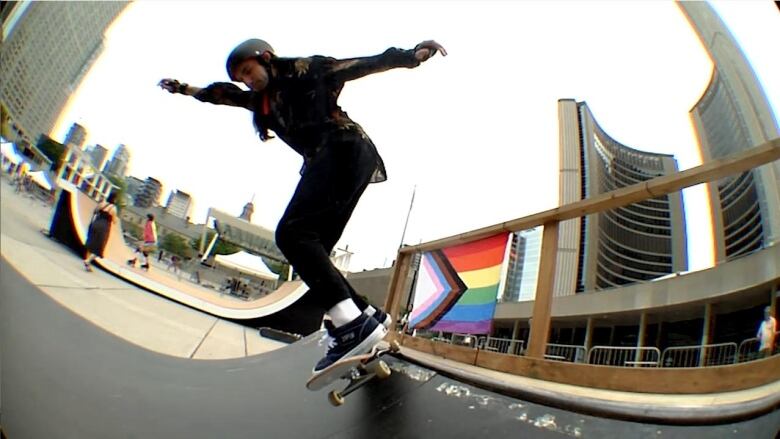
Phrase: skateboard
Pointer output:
(357, 371)
(278, 335)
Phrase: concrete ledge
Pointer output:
(680, 409)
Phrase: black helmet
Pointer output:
(247, 49)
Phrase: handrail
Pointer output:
(656, 187)
(550, 219)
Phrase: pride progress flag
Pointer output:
(457, 287)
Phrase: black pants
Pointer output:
(329, 189)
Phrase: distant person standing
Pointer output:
(766, 334)
(104, 216)
(150, 242)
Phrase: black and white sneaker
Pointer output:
(382, 317)
(355, 338)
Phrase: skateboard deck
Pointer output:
(357, 371)
(278, 335)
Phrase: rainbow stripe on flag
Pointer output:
(457, 287)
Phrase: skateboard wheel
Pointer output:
(382, 370)
(335, 398)
(394, 346)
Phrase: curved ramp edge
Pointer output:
(64, 377)
(70, 223)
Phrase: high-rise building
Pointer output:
(97, 154)
(732, 115)
(134, 187)
(77, 135)
(47, 49)
(149, 194)
(119, 162)
(179, 204)
(638, 242)
(523, 270)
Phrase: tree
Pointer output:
(5, 123)
(220, 247)
(121, 189)
(175, 244)
(277, 267)
(52, 149)
(133, 229)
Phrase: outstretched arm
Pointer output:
(174, 86)
(354, 68)
(220, 93)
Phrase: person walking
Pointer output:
(103, 217)
(766, 334)
(150, 242)
(297, 99)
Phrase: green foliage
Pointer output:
(5, 123)
(133, 229)
(275, 266)
(52, 149)
(220, 247)
(175, 244)
(121, 189)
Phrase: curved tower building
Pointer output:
(732, 115)
(635, 243)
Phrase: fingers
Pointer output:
(427, 49)
(169, 85)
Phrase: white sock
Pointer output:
(344, 312)
(369, 311)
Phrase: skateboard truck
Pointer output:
(367, 369)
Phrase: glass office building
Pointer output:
(47, 49)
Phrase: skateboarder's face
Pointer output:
(251, 73)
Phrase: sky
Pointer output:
(476, 132)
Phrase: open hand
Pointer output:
(170, 85)
(427, 49)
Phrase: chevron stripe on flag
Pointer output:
(457, 287)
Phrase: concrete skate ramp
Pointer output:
(70, 223)
(66, 378)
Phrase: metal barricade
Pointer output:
(624, 356)
(424, 333)
(700, 356)
(467, 340)
(748, 350)
(565, 352)
(503, 345)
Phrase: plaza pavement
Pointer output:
(110, 303)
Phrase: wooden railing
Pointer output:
(550, 219)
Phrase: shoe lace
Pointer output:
(327, 340)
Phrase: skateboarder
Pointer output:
(150, 242)
(296, 98)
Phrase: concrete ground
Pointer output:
(136, 315)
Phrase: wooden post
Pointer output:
(540, 324)
(396, 288)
